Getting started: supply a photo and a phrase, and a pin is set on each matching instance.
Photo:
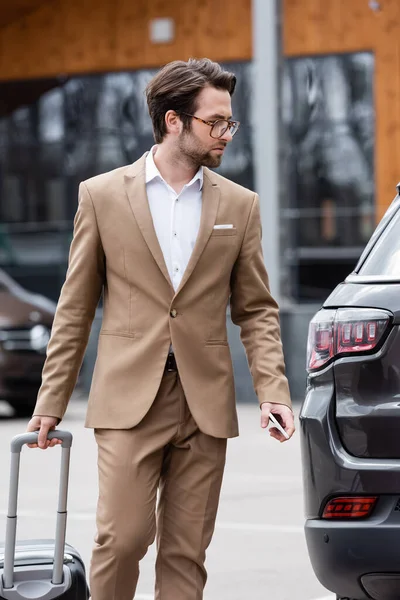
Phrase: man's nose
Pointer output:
(227, 137)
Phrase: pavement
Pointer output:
(258, 551)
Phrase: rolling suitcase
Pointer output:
(40, 569)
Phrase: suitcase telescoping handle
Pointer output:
(11, 529)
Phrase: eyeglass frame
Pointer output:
(212, 123)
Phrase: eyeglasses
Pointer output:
(219, 127)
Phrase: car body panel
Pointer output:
(368, 386)
(343, 551)
(368, 401)
(19, 306)
(350, 438)
(328, 468)
(22, 314)
(385, 296)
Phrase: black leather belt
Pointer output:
(170, 365)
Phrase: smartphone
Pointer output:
(278, 425)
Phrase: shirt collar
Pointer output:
(152, 172)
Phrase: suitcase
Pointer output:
(40, 569)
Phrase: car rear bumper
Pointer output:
(356, 560)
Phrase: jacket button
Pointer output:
(173, 313)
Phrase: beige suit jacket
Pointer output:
(115, 251)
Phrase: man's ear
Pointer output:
(173, 122)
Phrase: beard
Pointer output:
(194, 152)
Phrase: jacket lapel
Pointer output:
(135, 185)
(211, 194)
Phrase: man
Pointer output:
(169, 243)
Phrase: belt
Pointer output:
(170, 365)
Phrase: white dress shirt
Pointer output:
(176, 217)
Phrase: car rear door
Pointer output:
(366, 317)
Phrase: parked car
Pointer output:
(350, 426)
(25, 324)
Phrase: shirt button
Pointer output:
(173, 313)
(176, 269)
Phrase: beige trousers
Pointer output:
(166, 452)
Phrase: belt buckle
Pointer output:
(171, 363)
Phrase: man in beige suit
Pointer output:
(169, 243)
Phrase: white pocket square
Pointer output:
(227, 226)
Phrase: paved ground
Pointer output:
(258, 551)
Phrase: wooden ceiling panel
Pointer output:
(12, 10)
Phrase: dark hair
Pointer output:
(176, 87)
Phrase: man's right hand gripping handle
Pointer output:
(43, 425)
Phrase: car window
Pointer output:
(392, 209)
(384, 258)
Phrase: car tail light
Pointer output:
(334, 333)
(349, 507)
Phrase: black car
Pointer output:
(350, 426)
(25, 324)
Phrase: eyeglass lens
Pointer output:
(221, 127)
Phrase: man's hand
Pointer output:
(43, 425)
(283, 414)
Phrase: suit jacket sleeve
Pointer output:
(256, 312)
(76, 308)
